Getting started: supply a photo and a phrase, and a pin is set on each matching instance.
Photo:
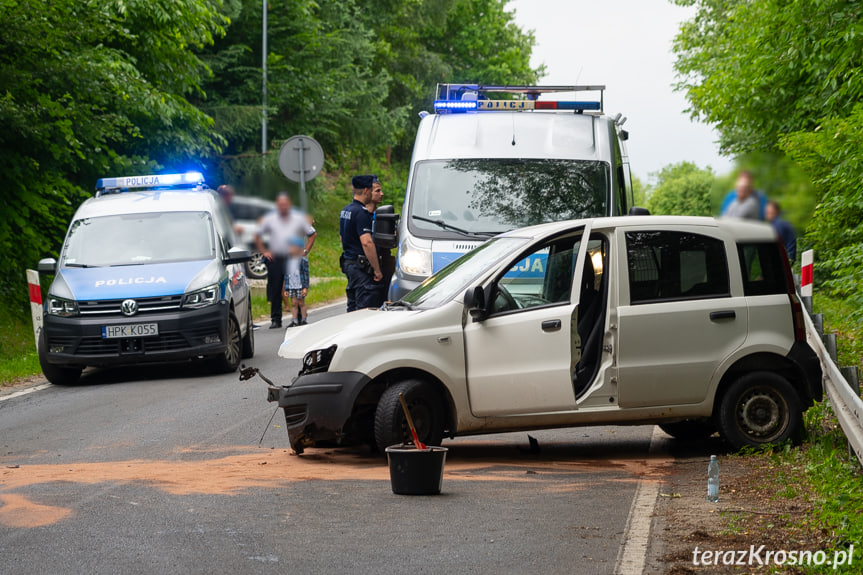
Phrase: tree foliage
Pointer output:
(681, 189)
(786, 76)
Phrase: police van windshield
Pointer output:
(489, 196)
(135, 239)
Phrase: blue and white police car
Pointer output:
(150, 271)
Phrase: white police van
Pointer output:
(482, 166)
(149, 271)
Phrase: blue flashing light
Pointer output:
(151, 181)
(460, 105)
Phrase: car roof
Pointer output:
(146, 201)
(746, 230)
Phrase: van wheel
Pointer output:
(249, 340)
(426, 407)
(758, 409)
(229, 360)
(689, 429)
(56, 374)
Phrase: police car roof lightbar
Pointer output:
(156, 181)
(472, 97)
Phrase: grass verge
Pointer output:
(321, 293)
(18, 358)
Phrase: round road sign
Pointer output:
(303, 147)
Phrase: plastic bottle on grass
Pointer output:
(713, 480)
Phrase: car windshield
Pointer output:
(133, 239)
(455, 278)
(496, 195)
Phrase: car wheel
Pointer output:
(758, 409)
(426, 407)
(689, 429)
(56, 374)
(230, 360)
(249, 340)
(256, 268)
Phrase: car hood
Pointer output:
(359, 324)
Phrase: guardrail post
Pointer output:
(807, 303)
(818, 320)
(829, 340)
(850, 375)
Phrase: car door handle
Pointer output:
(726, 314)
(551, 325)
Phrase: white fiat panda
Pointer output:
(689, 323)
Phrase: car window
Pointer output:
(762, 268)
(669, 266)
(542, 277)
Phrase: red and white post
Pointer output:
(807, 259)
(35, 289)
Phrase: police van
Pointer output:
(149, 271)
(494, 158)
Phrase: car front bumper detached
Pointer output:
(319, 407)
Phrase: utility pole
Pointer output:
(264, 89)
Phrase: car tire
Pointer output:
(229, 361)
(426, 407)
(56, 374)
(689, 429)
(760, 408)
(256, 268)
(249, 341)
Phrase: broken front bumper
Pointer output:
(318, 406)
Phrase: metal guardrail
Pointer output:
(846, 404)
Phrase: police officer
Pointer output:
(359, 256)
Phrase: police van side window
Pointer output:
(540, 278)
(674, 266)
(762, 269)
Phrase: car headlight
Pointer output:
(318, 361)
(202, 297)
(414, 261)
(62, 307)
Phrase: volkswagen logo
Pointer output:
(129, 307)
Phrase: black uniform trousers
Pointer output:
(276, 286)
(362, 291)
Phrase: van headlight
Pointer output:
(202, 297)
(62, 307)
(318, 360)
(414, 261)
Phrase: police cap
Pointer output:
(363, 182)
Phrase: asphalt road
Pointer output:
(158, 470)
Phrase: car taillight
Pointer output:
(796, 307)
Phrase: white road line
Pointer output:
(633, 553)
(25, 391)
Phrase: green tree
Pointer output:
(681, 189)
(89, 89)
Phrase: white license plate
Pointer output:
(130, 330)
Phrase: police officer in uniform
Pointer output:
(360, 261)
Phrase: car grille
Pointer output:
(145, 305)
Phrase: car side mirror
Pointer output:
(474, 302)
(237, 255)
(47, 266)
(638, 211)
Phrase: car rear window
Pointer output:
(762, 268)
(672, 266)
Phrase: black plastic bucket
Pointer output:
(416, 471)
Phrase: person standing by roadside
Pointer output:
(359, 259)
(783, 228)
(744, 201)
(282, 225)
(297, 283)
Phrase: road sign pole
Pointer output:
(304, 204)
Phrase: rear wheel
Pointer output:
(758, 409)
(229, 360)
(689, 429)
(56, 374)
(426, 408)
(249, 340)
